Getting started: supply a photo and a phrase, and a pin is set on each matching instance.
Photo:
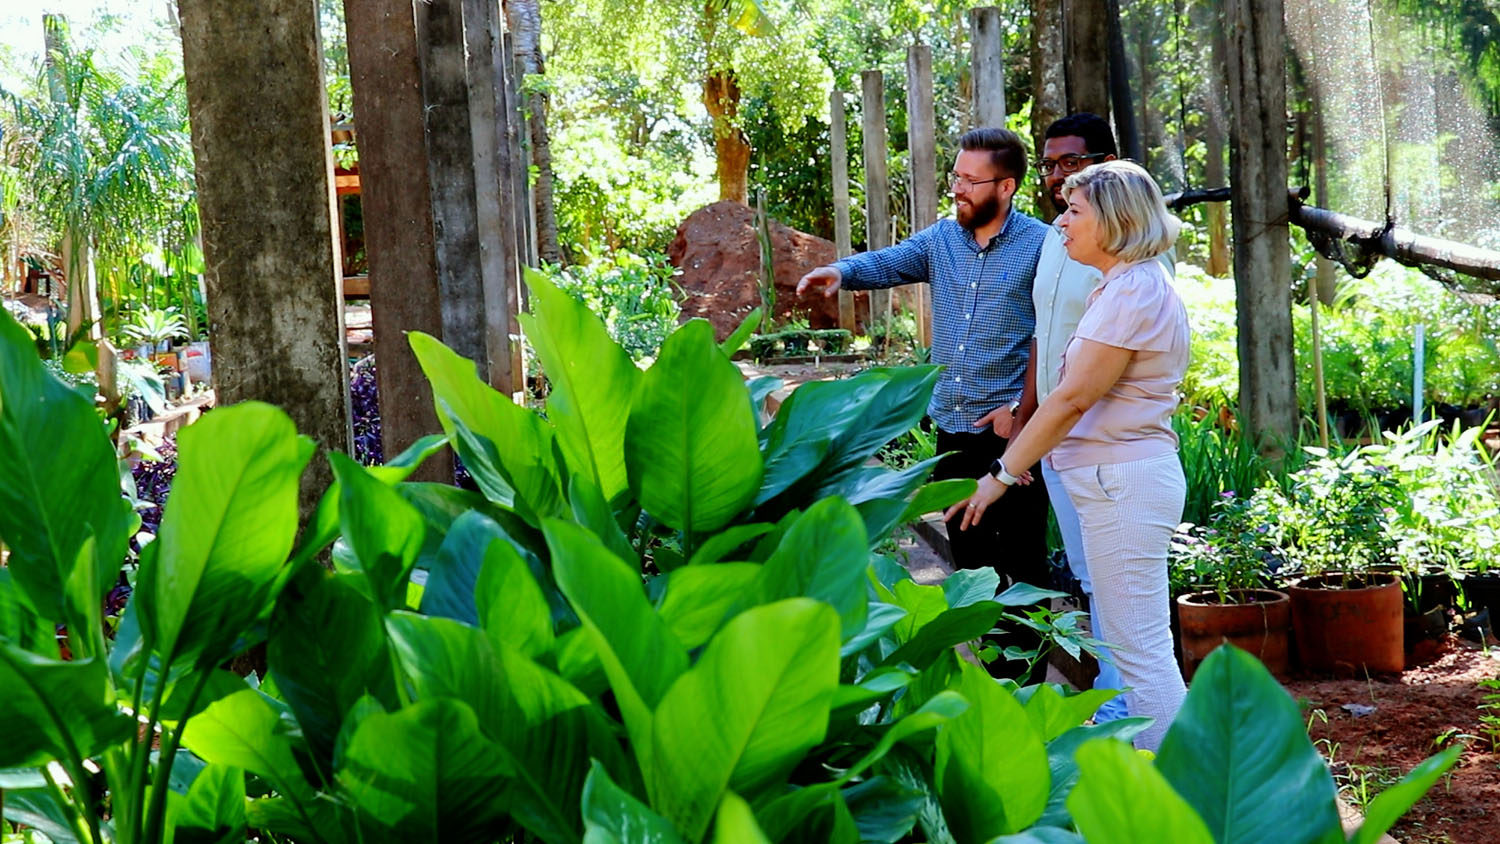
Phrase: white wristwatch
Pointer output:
(998, 472)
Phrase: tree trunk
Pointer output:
(1086, 30)
(1049, 91)
(269, 248)
(721, 96)
(1256, 37)
(1126, 127)
(525, 18)
(1215, 130)
(987, 63)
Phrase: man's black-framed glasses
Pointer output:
(955, 181)
(1067, 163)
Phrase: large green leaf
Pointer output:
(1389, 805)
(744, 715)
(593, 512)
(612, 816)
(949, 628)
(1239, 745)
(822, 556)
(1060, 753)
(56, 710)
(327, 649)
(451, 582)
(212, 811)
(699, 598)
(992, 773)
(507, 448)
(19, 623)
(41, 810)
(892, 411)
(425, 773)
(511, 605)
(229, 525)
(243, 730)
(384, 531)
(59, 481)
(801, 436)
(1054, 712)
(593, 382)
(882, 515)
(735, 822)
(1121, 799)
(639, 653)
(691, 443)
(541, 726)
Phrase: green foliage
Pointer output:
(806, 691)
(1231, 552)
(634, 294)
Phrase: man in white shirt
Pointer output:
(1062, 286)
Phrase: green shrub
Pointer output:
(634, 294)
(655, 620)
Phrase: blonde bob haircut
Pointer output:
(1134, 223)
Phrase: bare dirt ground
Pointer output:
(1426, 708)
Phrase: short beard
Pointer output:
(979, 214)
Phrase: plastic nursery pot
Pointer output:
(1352, 629)
(1483, 592)
(1260, 623)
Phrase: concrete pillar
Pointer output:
(921, 134)
(265, 196)
(395, 194)
(877, 182)
(838, 153)
(987, 62)
(1256, 36)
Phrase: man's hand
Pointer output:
(827, 278)
(1002, 419)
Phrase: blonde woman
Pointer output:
(1106, 428)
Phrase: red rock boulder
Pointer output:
(719, 256)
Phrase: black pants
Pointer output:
(1011, 539)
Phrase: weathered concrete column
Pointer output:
(395, 194)
(265, 195)
(1086, 36)
(877, 182)
(1255, 31)
(987, 63)
(921, 144)
(838, 154)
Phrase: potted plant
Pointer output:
(1225, 567)
(1333, 520)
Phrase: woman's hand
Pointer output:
(974, 506)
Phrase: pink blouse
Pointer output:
(1134, 307)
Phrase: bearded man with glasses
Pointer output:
(981, 266)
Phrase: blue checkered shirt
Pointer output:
(982, 315)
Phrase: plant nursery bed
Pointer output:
(1416, 713)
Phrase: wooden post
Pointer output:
(987, 63)
(1086, 34)
(1048, 86)
(265, 196)
(396, 196)
(495, 208)
(921, 143)
(838, 153)
(1215, 130)
(877, 184)
(1256, 36)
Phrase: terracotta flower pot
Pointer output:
(1349, 630)
(1259, 623)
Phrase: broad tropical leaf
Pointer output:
(593, 383)
(744, 715)
(612, 816)
(384, 531)
(992, 774)
(53, 498)
(507, 448)
(1239, 745)
(823, 556)
(56, 710)
(735, 822)
(426, 773)
(691, 445)
(1116, 784)
(228, 528)
(213, 809)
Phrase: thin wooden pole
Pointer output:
(838, 151)
(877, 183)
(922, 157)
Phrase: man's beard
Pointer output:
(1058, 203)
(979, 215)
